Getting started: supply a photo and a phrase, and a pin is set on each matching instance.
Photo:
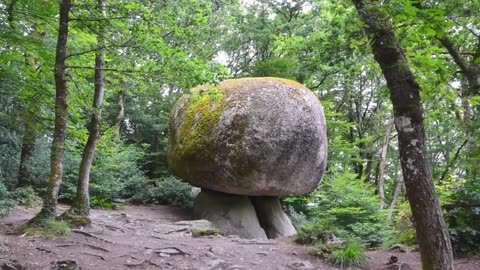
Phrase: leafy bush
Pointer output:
(6, 204)
(343, 252)
(373, 234)
(298, 218)
(10, 147)
(316, 232)
(114, 168)
(464, 218)
(25, 196)
(404, 231)
(348, 207)
(167, 190)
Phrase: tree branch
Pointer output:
(456, 55)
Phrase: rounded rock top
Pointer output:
(249, 136)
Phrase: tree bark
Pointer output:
(28, 146)
(56, 157)
(381, 166)
(431, 231)
(81, 208)
(120, 115)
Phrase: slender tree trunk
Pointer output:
(381, 167)
(431, 231)
(81, 208)
(56, 156)
(28, 146)
(396, 193)
(120, 115)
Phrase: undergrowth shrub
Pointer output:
(463, 215)
(346, 206)
(167, 190)
(25, 196)
(403, 228)
(298, 218)
(6, 204)
(343, 252)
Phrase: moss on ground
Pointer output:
(205, 232)
(49, 228)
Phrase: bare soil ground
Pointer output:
(153, 237)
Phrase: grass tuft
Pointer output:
(348, 254)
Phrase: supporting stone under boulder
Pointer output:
(230, 214)
(272, 218)
(247, 217)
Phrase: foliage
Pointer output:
(345, 251)
(6, 204)
(25, 196)
(48, 228)
(115, 167)
(167, 190)
(298, 218)
(404, 231)
(10, 146)
(463, 218)
(315, 232)
(346, 203)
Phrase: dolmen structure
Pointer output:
(246, 142)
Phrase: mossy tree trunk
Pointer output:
(431, 231)
(56, 156)
(81, 208)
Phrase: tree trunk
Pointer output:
(81, 208)
(120, 115)
(56, 156)
(396, 193)
(381, 167)
(28, 146)
(431, 231)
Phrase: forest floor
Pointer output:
(157, 237)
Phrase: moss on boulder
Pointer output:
(250, 136)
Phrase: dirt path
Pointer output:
(153, 237)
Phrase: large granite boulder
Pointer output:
(250, 136)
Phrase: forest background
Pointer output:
(154, 51)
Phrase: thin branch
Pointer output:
(101, 19)
(123, 45)
(445, 172)
(106, 69)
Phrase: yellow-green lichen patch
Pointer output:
(193, 139)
